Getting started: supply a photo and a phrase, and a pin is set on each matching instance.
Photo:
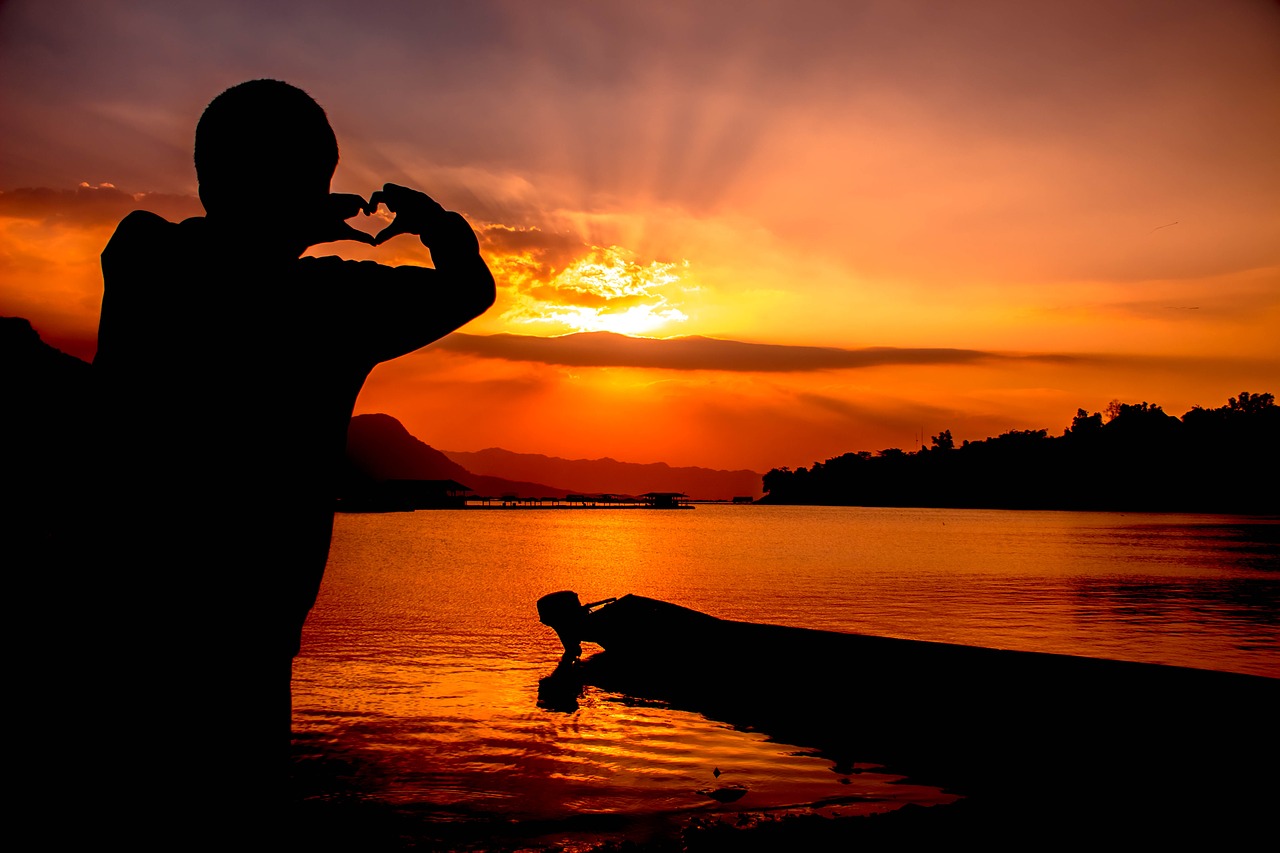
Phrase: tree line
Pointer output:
(1131, 456)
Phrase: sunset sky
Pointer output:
(738, 235)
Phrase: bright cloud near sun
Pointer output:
(606, 290)
(636, 320)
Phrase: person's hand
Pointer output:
(331, 220)
(415, 213)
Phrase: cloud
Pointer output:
(87, 205)
(526, 258)
(605, 349)
(506, 238)
(565, 284)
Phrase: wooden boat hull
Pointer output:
(1029, 736)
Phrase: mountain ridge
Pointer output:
(379, 448)
(608, 475)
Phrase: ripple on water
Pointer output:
(612, 756)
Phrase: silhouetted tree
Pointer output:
(1085, 424)
(1251, 403)
(1141, 459)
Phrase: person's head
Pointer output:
(263, 142)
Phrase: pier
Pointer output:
(649, 500)
(410, 495)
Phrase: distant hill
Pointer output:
(44, 437)
(380, 448)
(609, 476)
(45, 394)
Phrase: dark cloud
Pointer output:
(89, 205)
(507, 239)
(564, 297)
(549, 251)
(606, 349)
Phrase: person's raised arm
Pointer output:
(461, 287)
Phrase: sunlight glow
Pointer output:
(635, 320)
(607, 290)
(613, 273)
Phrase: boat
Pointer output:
(1033, 736)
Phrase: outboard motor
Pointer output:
(563, 612)
(568, 616)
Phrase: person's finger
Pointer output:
(346, 232)
(395, 197)
(417, 197)
(397, 190)
(346, 201)
(395, 229)
(346, 205)
(392, 195)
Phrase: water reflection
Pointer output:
(1181, 545)
(597, 753)
(561, 690)
(1172, 615)
(427, 684)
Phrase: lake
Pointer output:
(417, 685)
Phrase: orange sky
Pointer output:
(875, 220)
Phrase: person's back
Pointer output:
(228, 367)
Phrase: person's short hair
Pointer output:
(262, 132)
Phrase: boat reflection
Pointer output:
(561, 690)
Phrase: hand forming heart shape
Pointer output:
(412, 212)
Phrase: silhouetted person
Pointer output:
(228, 367)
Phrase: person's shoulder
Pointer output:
(143, 222)
(143, 226)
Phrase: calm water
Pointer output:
(420, 663)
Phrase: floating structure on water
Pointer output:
(406, 496)
(410, 495)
